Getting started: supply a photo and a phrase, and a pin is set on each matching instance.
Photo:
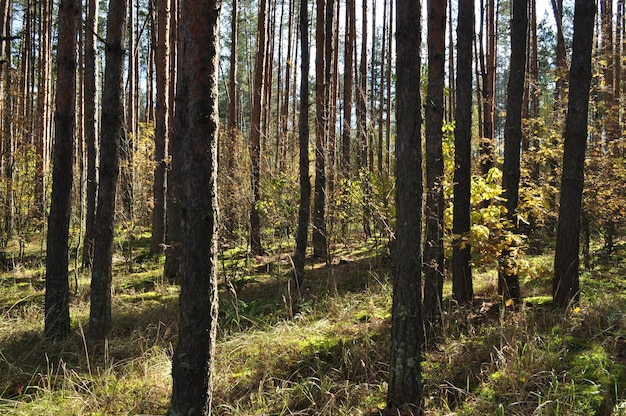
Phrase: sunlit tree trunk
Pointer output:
(161, 125)
(322, 123)
(111, 135)
(57, 299)
(43, 103)
(173, 175)
(304, 210)
(256, 129)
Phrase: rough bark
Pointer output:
(322, 124)
(508, 280)
(462, 290)
(565, 288)
(196, 126)
(91, 127)
(111, 135)
(348, 77)
(161, 124)
(57, 298)
(304, 211)
(435, 203)
(405, 383)
(255, 131)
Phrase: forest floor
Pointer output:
(324, 354)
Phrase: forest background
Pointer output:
(314, 339)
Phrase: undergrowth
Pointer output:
(322, 353)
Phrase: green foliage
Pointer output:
(279, 202)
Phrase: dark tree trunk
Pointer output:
(489, 83)
(91, 127)
(561, 57)
(508, 280)
(322, 123)
(196, 127)
(255, 131)
(57, 301)
(172, 214)
(111, 135)
(433, 247)
(405, 383)
(304, 211)
(565, 288)
(462, 290)
(161, 125)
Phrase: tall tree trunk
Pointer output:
(462, 290)
(232, 129)
(489, 97)
(43, 104)
(111, 135)
(304, 211)
(57, 302)
(172, 227)
(435, 203)
(565, 288)
(255, 131)
(405, 380)
(91, 127)
(161, 125)
(451, 67)
(381, 101)
(8, 131)
(196, 126)
(348, 88)
(561, 57)
(322, 122)
(508, 280)
(284, 113)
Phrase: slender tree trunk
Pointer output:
(43, 103)
(565, 288)
(8, 129)
(284, 114)
(561, 57)
(304, 211)
(451, 67)
(91, 127)
(161, 125)
(433, 248)
(111, 135)
(57, 302)
(173, 175)
(381, 102)
(255, 131)
(348, 88)
(232, 130)
(508, 280)
(489, 83)
(405, 379)
(462, 290)
(322, 122)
